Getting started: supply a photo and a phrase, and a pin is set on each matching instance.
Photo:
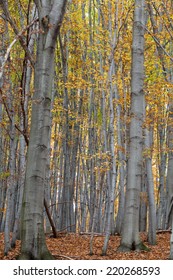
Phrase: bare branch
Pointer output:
(17, 32)
(16, 126)
(12, 44)
(158, 43)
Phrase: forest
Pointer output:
(86, 129)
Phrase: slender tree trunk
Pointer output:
(2, 187)
(150, 187)
(11, 187)
(143, 203)
(169, 218)
(161, 206)
(55, 174)
(11, 182)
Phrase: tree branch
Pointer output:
(16, 126)
(158, 43)
(12, 44)
(16, 31)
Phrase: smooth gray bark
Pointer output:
(130, 231)
(161, 203)
(143, 204)
(33, 244)
(11, 185)
(150, 188)
(2, 185)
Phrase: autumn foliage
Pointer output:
(89, 126)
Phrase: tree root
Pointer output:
(46, 255)
(133, 247)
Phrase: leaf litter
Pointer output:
(76, 247)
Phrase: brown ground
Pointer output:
(75, 246)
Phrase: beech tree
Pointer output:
(33, 244)
(130, 232)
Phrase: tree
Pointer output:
(130, 232)
(33, 245)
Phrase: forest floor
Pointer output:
(76, 247)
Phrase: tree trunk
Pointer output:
(150, 187)
(33, 244)
(143, 204)
(130, 232)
